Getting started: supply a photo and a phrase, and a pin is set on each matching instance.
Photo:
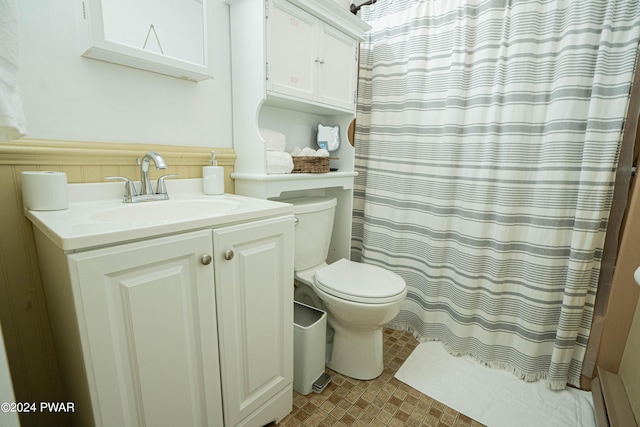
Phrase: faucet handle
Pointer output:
(161, 188)
(129, 186)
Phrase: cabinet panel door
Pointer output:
(254, 291)
(148, 314)
(338, 72)
(291, 51)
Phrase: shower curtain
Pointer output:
(487, 139)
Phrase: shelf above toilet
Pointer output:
(268, 186)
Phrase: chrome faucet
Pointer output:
(145, 183)
(146, 190)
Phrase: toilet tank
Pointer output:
(313, 230)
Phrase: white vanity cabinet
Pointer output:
(190, 329)
(310, 59)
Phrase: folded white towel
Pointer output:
(296, 151)
(278, 162)
(273, 140)
(322, 152)
(12, 121)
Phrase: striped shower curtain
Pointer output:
(487, 140)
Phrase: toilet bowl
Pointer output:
(359, 298)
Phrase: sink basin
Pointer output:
(167, 210)
(97, 217)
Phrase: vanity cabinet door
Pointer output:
(254, 292)
(147, 319)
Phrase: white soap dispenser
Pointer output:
(213, 177)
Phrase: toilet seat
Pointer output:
(357, 282)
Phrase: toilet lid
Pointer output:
(359, 282)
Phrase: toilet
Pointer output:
(359, 298)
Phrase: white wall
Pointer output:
(68, 97)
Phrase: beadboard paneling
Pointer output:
(23, 314)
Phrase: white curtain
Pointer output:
(12, 120)
(487, 140)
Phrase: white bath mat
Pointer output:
(493, 397)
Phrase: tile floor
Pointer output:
(384, 401)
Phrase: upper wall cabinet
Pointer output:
(291, 57)
(309, 59)
(163, 36)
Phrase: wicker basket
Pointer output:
(310, 164)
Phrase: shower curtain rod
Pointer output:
(354, 9)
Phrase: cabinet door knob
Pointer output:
(228, 254)
(206, 259)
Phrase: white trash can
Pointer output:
(309, 341)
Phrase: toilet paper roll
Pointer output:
(44, 190)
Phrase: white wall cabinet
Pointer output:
(111, 31)
(310, 59)
(291, 58)
(294, 64)
(150, 340)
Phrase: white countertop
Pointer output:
(96, 215)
